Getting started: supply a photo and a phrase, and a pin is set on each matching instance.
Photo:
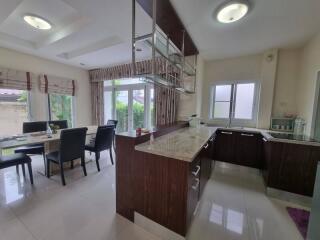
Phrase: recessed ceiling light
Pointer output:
(232, 11)
(37, 22)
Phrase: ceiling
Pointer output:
(270, 24)
(97, 33)
(85, 33)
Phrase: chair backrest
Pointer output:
(112, 122)
(72, 143)
(63, 124)
(104, 137)
(29, 127)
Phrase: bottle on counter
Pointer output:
(151, 138)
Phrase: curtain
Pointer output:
(125, 70)
(57, 85)
(15, 79)
(97, 100)
(166, 103)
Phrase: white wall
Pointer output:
(236, 69)
(306, 87)
(20, 61)
(285, 99)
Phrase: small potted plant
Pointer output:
(54, 128)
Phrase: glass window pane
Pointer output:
(152, 113)
(107, 105)
(61, 107)
(223, 93)
(14, 111)
(122, 110)
(221, 110)
(244, 101)
(138, 108)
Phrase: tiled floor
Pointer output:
(233, 207)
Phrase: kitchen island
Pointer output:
(162, 182)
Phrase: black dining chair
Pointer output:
(63, 124)
(72, 143)
(34, 149)
(103, 141)
(115, 123)
(16, 160)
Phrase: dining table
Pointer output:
(50, 141)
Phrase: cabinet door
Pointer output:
(205, 166)
(193, 187)
(225, 142)
(248, 149)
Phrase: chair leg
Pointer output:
(45, 163)
(23, 170)
(84, 166)
(30, 172)
(17, 169)
(48, 168)
(111, 158)
(71, 165)
(62, 174)
(97, 160)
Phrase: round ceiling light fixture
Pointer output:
(37, 22)
(232, 11)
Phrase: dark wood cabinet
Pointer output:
(290, 167)
(224, 146)
(242, 148)
(248, 149)
(206, 162)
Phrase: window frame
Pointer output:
(73, 110)
(130, 88)
(235, 121)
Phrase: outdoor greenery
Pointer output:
(61, 107)
(122, 115)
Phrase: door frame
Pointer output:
(130, 88)
(315, 106)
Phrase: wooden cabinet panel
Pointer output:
(193, 187)
(205, 166)
(224, 146)
(248, 149)
(290, 167)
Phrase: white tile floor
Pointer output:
(233, 206)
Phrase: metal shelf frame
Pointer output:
(172, 55)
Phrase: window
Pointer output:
(14, 110)
(130, 101)
(235, 101)
(60, 108)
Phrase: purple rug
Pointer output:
(301, 218)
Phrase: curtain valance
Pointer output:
(15, 79)
(125, 70)
(57, 85)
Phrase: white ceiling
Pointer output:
(98, 32)
(270, 24)
(93, 32)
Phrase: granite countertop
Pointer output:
(184, 144)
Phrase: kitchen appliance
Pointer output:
(194, 121)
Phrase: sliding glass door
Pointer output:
(130, 104)
(122, 109)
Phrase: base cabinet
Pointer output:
(241, 148)
(290, 167)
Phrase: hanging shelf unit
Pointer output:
(178, 73)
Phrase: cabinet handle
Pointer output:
(247, 135)
(206, 146)
(265, 140)
(195, 173)
(211, 140)
(195, 187)
(229, 133)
